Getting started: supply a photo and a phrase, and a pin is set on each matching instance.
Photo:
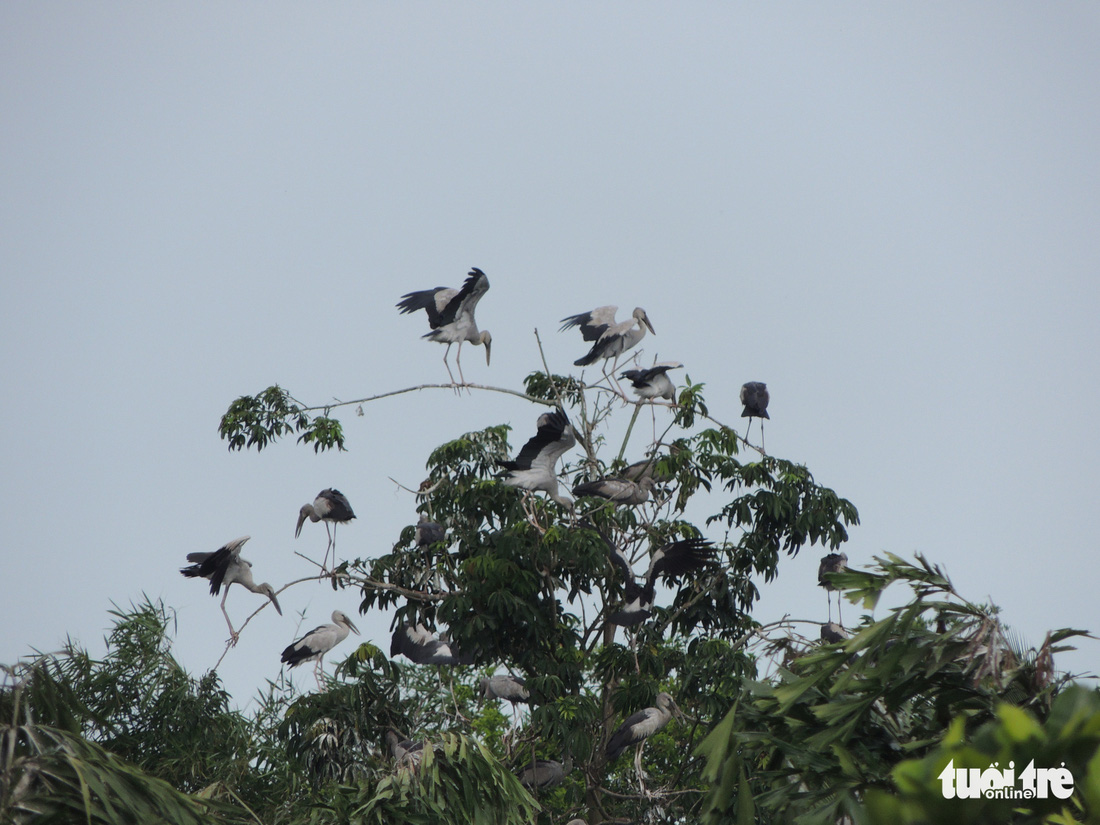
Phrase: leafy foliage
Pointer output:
(811, 743)
(258, 420)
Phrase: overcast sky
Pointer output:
(889, 213)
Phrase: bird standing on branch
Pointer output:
(332, 507)
(451, 316)
(225, 567)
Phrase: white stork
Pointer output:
(653, 382)
(668, 562)
(534, 467)
(610, 338)
(420, 646)
(451, 316)
(225, 567)
(332, 507)
(639, 727)
(618, 490)
(754, 395)
(319, 641)
(832, 563)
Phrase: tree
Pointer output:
(774, 727)
(526, 586)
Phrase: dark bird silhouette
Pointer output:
(224, 567)
(406, 753)
(754, 395)
(831, 633)
(451, 316)
(668, 562)
(332, 507)
(428, 532)
(832, 563)
(543, 774)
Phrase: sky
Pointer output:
(888, 212)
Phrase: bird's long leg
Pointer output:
(839, 612)
(447, 364)
(458, 361)
(233, 634)
(638, 769)
(318, 669)
(829, 596)
(749, 427)
(328, 547)
(763, 449)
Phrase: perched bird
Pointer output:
(610, 339)
(406, 753)
(639, 727)
(225, 567)
(618, 490)
(646, 468)
(543, 774)
(754, 395)
(671, 560)
(332, 507)
(534, 467)
(831, 633)
(653, 382)
(503, 686)
(319, 641)
(451, 316)
(420, 646)
(832, 563)
(428, 532)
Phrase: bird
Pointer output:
(319, 641)
(754, 395)
(533, 469)
(669, 561)
(610, 338)
(543, 774)
(406, 753)
(504, 686)
(428, 532)
(646, 468)
(653, 382)
(420, 646)
(510, 688)
(832, 563)
(225, 567)
(451, 316)
(618, 490)
(639, 727)
(832, 633)
(332, 507)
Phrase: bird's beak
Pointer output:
(275, 602)
(353, 627)
(488, 349)
(301, 521)
(645, 320)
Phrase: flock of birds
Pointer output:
(451, 318)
